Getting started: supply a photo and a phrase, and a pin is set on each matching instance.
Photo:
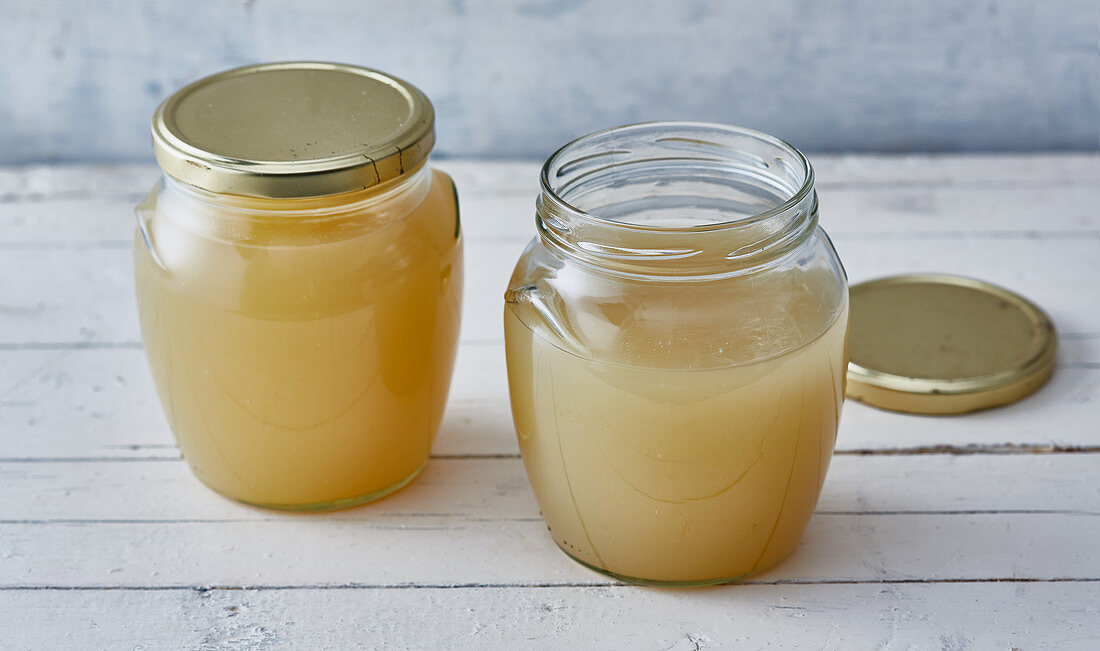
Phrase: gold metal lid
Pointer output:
(935, 344)
(295, 129)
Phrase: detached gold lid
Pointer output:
(296, 129)
(934, 344)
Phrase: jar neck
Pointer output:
(677, 199)
(260, 221)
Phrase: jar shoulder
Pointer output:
(296, 262)
(720, 321)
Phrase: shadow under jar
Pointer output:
(299, 280)
(676, 343)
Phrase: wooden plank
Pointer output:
(874, 214)
(80, 295)
(1061, 276)
(932, 533)
(68, 223)
(1064, 413)
(81, 403)
(57, 295)
(508, 213)
(946, 615)
(87, 295)
(100, 403)
(959, 170)
(45, 182)
(93, 205)
(440, 550)
(496, 489)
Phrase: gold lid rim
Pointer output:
(300, 178)
(957, 395)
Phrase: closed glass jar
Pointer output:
(676, 344)
(299, 282)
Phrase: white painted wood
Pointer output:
(93, 494)
(834, 617)
(74, 295)
(1068, 290)
(1066, 412)
(477, 489)
(93, 204)
(68, 223)
(438, 550)
(63, 295)
(100, 403)
(832, 171)
(958, 170)
(41, 183)
(72, 280)
(874, 212)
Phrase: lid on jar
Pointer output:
(296, 129)
(936, 344)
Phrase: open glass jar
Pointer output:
(676, 343)
(299, 280)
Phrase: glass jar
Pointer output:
(299, 281)
(676, 344)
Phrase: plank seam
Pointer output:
(974, 448)
(492, 586)
(466, 518)
(1001, 449)
(137, 345)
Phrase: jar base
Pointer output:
(334, 505)
(656, 583)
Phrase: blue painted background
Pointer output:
(79, 80)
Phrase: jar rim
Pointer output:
(554, 193)
(677, 199)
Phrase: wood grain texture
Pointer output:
(86, 294)
(976, 530)
(440, 550)
(835, 617)
(495, 489)
(99, 403)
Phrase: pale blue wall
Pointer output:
(79, 80)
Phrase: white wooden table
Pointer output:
(977, 531)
